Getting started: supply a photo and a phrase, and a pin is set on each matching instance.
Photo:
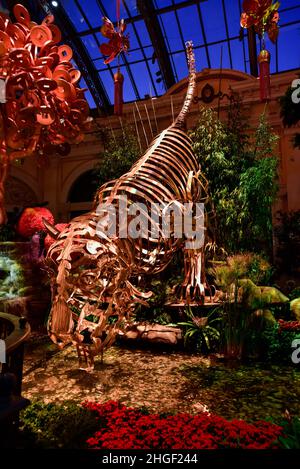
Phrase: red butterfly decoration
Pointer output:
(263, 14)
(118, 42)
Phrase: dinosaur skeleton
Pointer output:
(93, 274)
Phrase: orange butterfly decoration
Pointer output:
(118, 42)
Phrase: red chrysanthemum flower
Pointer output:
(31, 221)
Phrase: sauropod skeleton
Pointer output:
(94, 274)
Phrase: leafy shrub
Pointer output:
(200, 333)
(242, 175)
(291, 433)
(64, 425)
(243, 266)
(295, 293)
(276, 344)
(288, 235)
(120, 152)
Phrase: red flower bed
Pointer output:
(288, 325)
(128, 428)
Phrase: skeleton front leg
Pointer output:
(192, 289)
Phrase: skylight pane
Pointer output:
(215, 55)
(173, 36)
(134, 55)
(128, 91)
(92, 12)
(237, 54)
(143, 33)
(180, 65)
(142, 78)
(214, 24)
(87, 94)
(191, 30)
(132, 7)
(233, 17)
(99, 64)
(159, 85)
(162, 3)
(74, 14)
(201, 59)
(288, 16)
(287, 4)
(111, 9)
(108, 84)
(132, 37)
(91, 45)
(289, 37)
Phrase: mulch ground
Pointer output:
(137, 377)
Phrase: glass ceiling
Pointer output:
(212, 25)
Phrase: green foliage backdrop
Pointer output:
(120, 152)
(242, 172)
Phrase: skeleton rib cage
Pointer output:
(92, 275)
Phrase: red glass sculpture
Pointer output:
(44, 109)
(118, 42)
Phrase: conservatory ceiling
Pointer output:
(158, 30)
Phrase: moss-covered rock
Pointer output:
(265, 315)
(295, 308)
(249, 295)
(271, 295)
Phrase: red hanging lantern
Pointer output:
(118, 98)
(264, 16)
(264, 75)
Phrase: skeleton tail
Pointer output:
(181, 119)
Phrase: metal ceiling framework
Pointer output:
(157, 56)
(149, 15)
(83, 60)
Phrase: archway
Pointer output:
(82, 192)
(18, 194)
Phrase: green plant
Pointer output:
(295, 293)
(287, 232)
(291, 433)
(246, 265)
(7, 233)
(242, 175)
(120, 152)
(243, 303)
(162, 286)
(64, 425)
(290, 113)
(275, 346)
(200, 334)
